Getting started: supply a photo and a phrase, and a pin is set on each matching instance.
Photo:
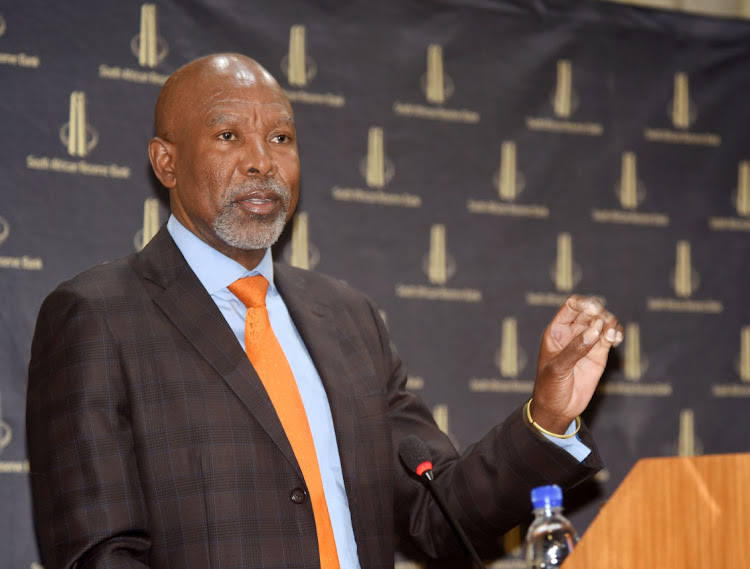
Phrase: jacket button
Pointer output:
(298, 495)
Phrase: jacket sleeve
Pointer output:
(88, 504)
(486, 487)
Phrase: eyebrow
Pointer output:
(224, 117)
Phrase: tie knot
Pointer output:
(250, 290)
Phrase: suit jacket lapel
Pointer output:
(316, 323)
(188, 305)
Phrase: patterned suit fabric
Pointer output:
(153, 444)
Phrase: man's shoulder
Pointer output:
(100, 284)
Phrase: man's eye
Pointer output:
(227, 136)
(281, 138)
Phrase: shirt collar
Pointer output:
(214, 270)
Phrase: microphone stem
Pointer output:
(428, 475)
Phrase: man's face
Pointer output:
(236, 164)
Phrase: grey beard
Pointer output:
(234, 228)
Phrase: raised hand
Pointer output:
(572, 357)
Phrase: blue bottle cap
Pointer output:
(551, 496)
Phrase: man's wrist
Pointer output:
(564, 429)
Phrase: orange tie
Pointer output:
(270, 363)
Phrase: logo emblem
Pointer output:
(688, 444)
(743, 361)
(684, 279)
(508, 181)
(630, 189)
(376, 168)
(742, 195)
(681, 108)
(439, 265)
(441, 415)
(150, 223)
(77, 135)
(566, 273)
(303, 254)
(4, 230)
(635, 365)
(564, 99)
(436, 85)
(2, 25)
(510, 358)
(298, 67)
(148, 46)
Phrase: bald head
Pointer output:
(198, 80)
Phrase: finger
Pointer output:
(613, 333)
(577, 348)
(577, 309)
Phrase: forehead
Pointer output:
(244, 99)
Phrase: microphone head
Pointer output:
(415, 455)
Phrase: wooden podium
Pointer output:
(673, 513)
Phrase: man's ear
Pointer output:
(162, 154)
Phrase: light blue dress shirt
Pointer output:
(216, 272)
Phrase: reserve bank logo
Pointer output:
(684, 279)
(509, 183)
(441, 415)
(436, 85)
(565, 273)
(438, 265)
(376, 167)
(4, 230)
(742, 193)
(740, 201)
(77, 135)
(508, 180)
(630, 190)
(510, 359)
(148, 46)
(739, 389)
(564, 99)
(682, 110)
(688, 444)
(565, 102)
(742, 364)
(297, 65)
(635, 365)
(682, 113)
(377, 170)
(151, 223)
(302, 253)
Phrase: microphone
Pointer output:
(416, 457)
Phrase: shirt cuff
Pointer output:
(573, 445)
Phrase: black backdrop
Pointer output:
(466, 163)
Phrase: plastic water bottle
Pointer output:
(551, 536)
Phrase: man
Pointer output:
(155, 442)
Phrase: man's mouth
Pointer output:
(257, 202)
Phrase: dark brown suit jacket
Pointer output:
(153, 443)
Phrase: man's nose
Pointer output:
(258, 159)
